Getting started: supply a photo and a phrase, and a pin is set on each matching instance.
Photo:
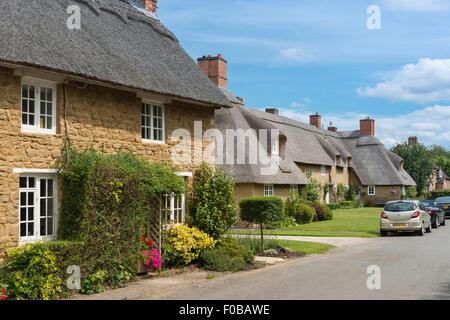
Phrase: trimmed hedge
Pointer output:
(440, 193)
(334, 206)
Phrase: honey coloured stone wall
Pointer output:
(105, 118)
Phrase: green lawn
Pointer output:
(361, 222)
(254, 245)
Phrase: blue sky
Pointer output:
(310, 56)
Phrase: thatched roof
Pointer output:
(370, 160)
(117, 43)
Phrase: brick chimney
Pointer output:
(215, 68)
(315, 120)
(272, 110)
(367, 127)
(413, 140)
(332, 128)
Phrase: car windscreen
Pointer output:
(400, 206)
(443, 200)
(428, 203)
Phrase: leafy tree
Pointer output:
(213, 208)
(438, 151)
(418, 162)
(443, 163)
(311, 192)
(262, 210)
(340, 192)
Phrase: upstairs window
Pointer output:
(323, 170)
(153, 123)
(38, 106)
(269, 190)
(371, 191)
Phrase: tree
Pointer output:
(443, 163)
(213, 208)
(350, 193)
(262, 210)
(311, 192)
(418, 162)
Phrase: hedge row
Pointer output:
(440, 193)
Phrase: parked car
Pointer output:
(405, 215)
(444, 203)
(436, 213)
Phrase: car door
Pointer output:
(426, 215)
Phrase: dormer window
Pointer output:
(38, 106)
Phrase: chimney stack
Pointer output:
(413, 140)
(272, 110)
(315, 120)
(367, 127)
(332, 128)
(215, 68)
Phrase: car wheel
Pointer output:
(429, 229)
(383, 233)
(443, 223)
(422, 230)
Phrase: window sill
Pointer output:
(153, 141)
(30, 240)
(38, 131)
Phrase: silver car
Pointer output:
(405, 215)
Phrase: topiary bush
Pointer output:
(184, 245)
(350, 193)
(228, 255)
(301, 212)
(261, 210)
(212, 208)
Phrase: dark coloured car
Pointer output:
(436, 213)
(444, 204)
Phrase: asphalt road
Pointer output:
(411, 267)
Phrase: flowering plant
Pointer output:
(152, 257)
(3, 294)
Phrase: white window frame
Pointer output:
(152, 140)
(38, 83)
(371, 193)
(173, 206)
(269, 190)
(37, 197)
(293, 188)
(323, 170)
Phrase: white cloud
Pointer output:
(430, 124)
(426, 81)
(416, 5)
(305, 101)
(293, 55)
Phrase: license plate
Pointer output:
(445, 207)
(399, 225)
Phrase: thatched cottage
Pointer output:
(119, 81)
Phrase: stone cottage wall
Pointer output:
(105, 118)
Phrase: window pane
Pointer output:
(50, 207)
(30, 198)
(43, 187)
(23, 198)
(42, 227)
(23, 214)
(50, 226)
(30, 214)
(43, 94)
(24, 119)
(31, 106)
(49, 122)
(30, 229)
(42, 108)
(23, 229)
(50, 95)
(25, 91)
(42, 122)
(31, 120)
(22, 182)
(31, 182)
(49, 108)
(24, 105)
(43, 208)
(50, 187)
(31, 90)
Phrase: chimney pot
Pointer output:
(315, 120)
(150, 5)
(332, 128)
(272, 110)
(215, 68)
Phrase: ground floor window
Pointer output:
(293, 188)
(269, 190)
(175, 207)
(371, 191)
(37, 207)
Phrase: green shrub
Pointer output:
(334, 206)
(262, 210)
(30, 272)
(184, 245)
(228, 255)
(311, 192)
(321, 211)
(440, 193)
(105, 204)
(340, 192)
(348, 204)
(350, 193)
(213, 208)
(300, 211)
